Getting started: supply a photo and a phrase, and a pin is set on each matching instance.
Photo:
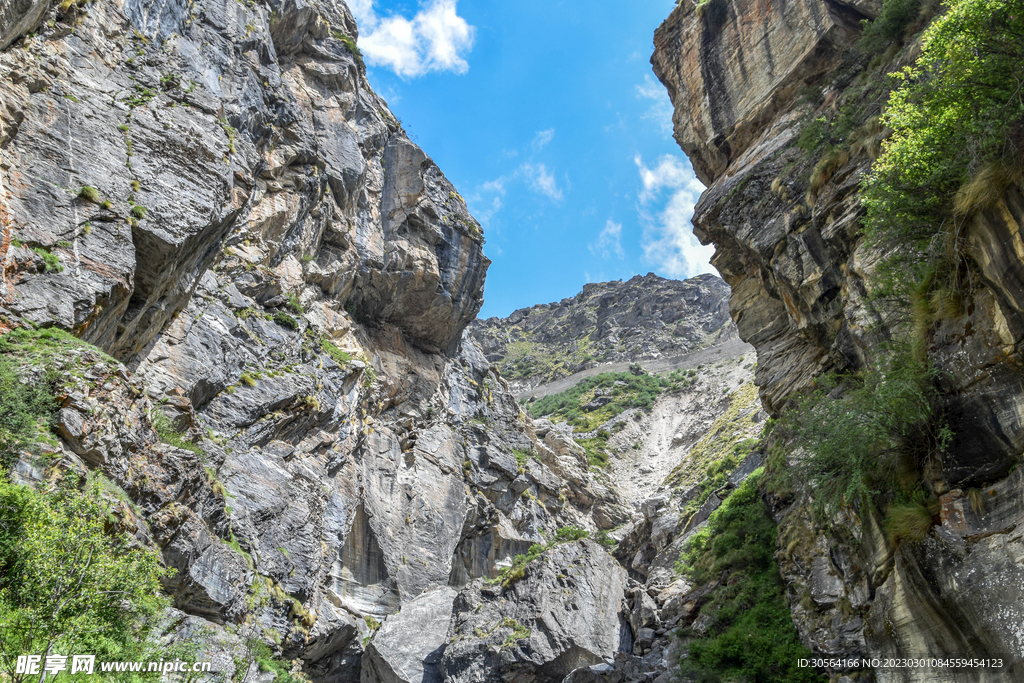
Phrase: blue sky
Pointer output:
(547, 118)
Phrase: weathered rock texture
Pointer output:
(565, 613)
(644, 318)
(212, 194)
(745, 78)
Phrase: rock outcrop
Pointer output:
(565, 613)
(213, 195)
(747, 79)
(644, 318)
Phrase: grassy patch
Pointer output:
(285, 320)
(89, 194)
(519, 632)
(295, 304)
(168, 434)
(30, 365)
(51, 261)
(908, 522)
(517, 571)
(626, 390)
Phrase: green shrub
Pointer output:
(596, 450)
(604, 539)
(282, 670)
(285, 320)
(247, 379)
(51, 261)
(862, 433)
(890, 25)
(26, 406)
(67, 585)
(168, 434)
(814, 135)
(956, 112)
(751, 636)
(517, 571)
(570, 533)
(295, 304)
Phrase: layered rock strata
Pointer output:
(746, 79)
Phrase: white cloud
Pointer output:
(670, 191)
(542, 138)
(435, 39)
(541, 180)
(609, 241)
(660, 110)
(487, 200)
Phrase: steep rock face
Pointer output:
(176, 104)
(733, 67)
(643, 318)
(533, 630)
(746, 79)
(213, 195)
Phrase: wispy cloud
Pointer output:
(609, 242)
(660, 108)
(487, 200)
(669, 192)
(542, 138)
(435, 39)
(541, 180)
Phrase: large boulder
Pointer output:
(408, 647)
(565, 613)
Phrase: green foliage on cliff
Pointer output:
(517, 571)
(26, 407)
(891, 24)
(721, 448)
(70, 583)
(957, 111)
(626, 390)
(751, 636)
(527, 358)
(867, 433)
(29, 361)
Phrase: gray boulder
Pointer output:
(565, 613)
(408, 647)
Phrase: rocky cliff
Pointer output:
(776, 105)
(645, 318)
(267, 286)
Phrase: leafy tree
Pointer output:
(958, 110)
(67, 585)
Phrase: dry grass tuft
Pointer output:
(825, 169)
(908, 523)
(986, 188)
(977, 501)
(947, 304)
